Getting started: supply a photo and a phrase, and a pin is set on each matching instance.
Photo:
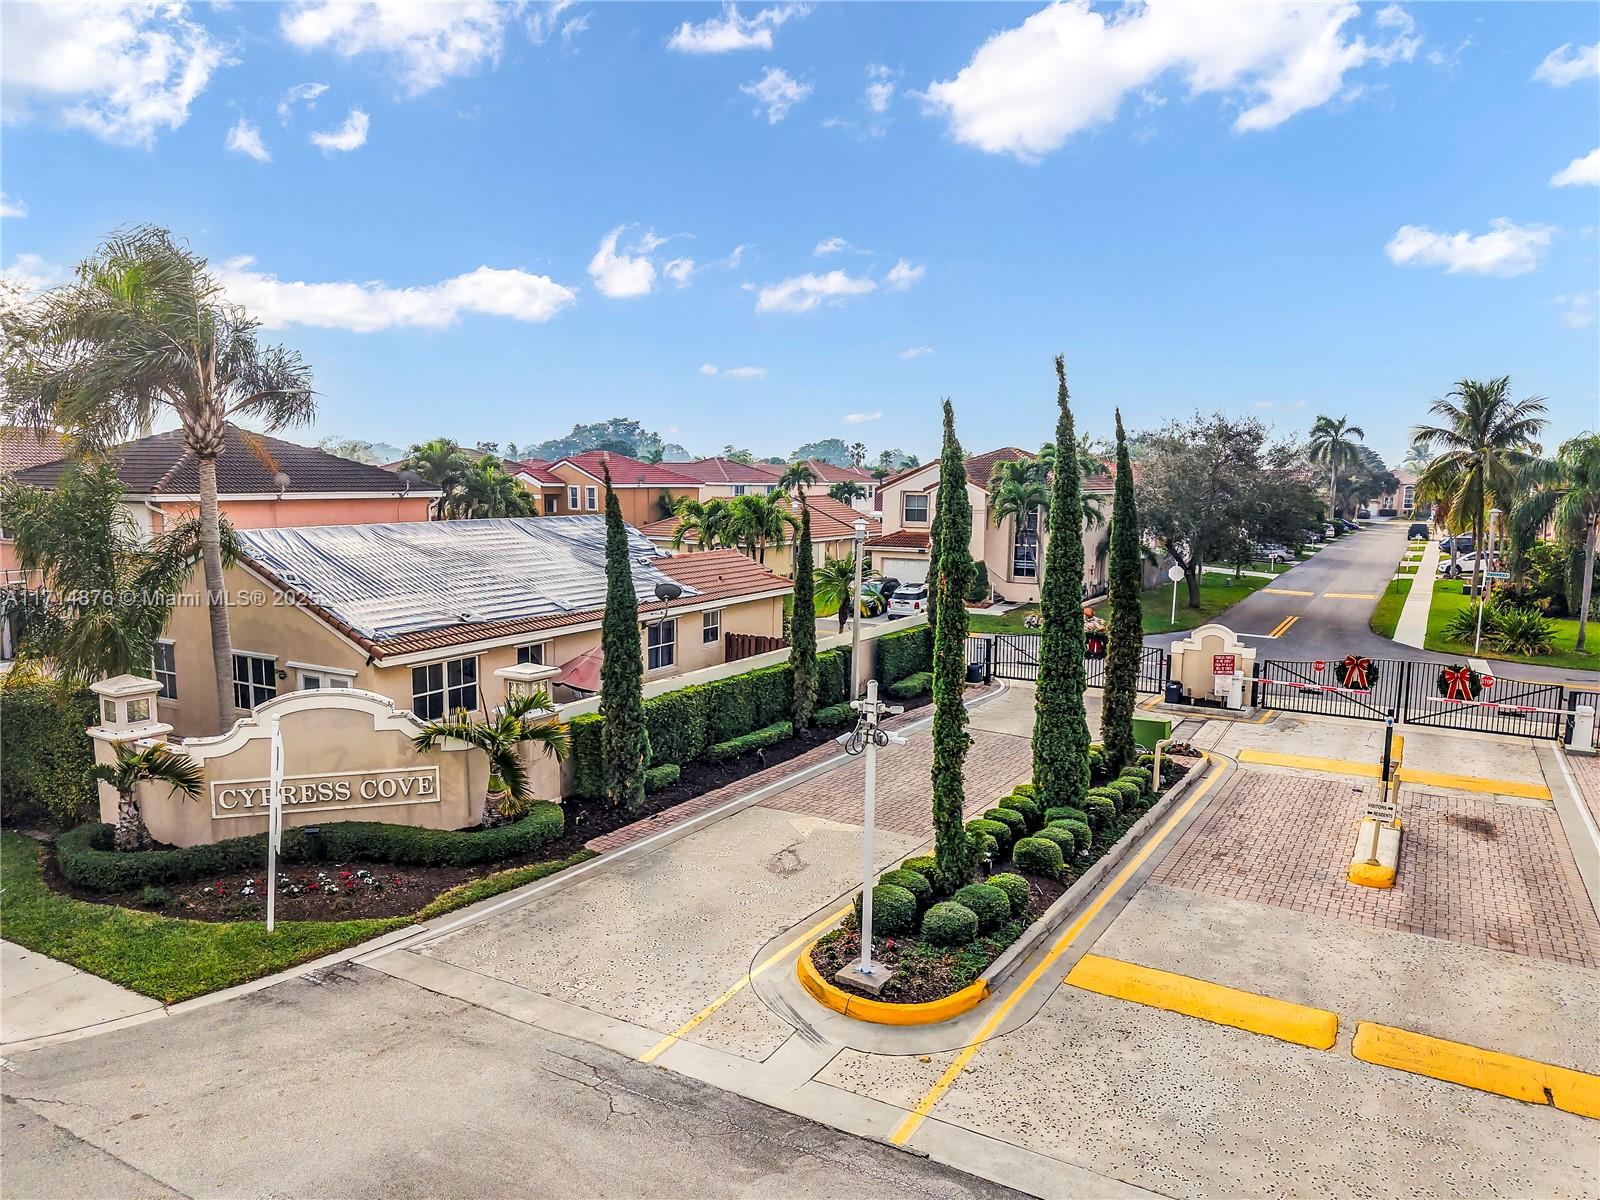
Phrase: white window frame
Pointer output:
(460, 693)
(572, 496)
(167, 679)
(739, 489)
(537, 653)
(710, 626)
(905, 505)
(251, 683)
(328, 678)
(661, 644)
(591, 498)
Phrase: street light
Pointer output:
(859, 541)
(866, 737)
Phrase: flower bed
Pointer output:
(937, 943)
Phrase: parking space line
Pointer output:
(1272, 591)
(1349, 595)
(917, 1115)
(1315, 1028)
(678, 1034)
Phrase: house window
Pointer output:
(255, 680)
(591, 498)
(442, 687)
(711, 627)
(1025, 546)
(313, 680)
(661, 644)
(738, 489)
(915, 508)
(1410, 498)
(165, 670)
(534, 654)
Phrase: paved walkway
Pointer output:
(40, 996)
(1412, 629)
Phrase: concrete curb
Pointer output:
(882, 1012)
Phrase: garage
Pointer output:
(906, 570)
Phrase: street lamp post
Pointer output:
(859, 541)
(865, 738)
(1480, 573)
(1174, 573)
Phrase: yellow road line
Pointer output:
(1307, 762)
(1341, 766)
(688, 1026)
(917, 1115)
(1473, 1067)
(1316, 1028)
(1349, 595)
(1471, 783)
(1285, 592)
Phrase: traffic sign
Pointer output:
(1486, 680)
(1319, 665)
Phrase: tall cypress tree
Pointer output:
(1126, 634)
(622, 737)
(1060, 729)
(953, 848)
(803, 627)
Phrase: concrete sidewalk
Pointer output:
(1412, 629)
(40, 996)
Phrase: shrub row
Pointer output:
(904, 654)
(976, 908)
(87, 860)
(747, 742)
(686, 725)
(912, 686)
(664, 776)
(47, 757)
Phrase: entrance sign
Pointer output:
(327, 792)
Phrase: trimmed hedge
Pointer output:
(1016, 889)
(1064, 812)
(1009, 816)
(834, 714)
(1063, 837)
(914, 882)
(87, 860)
(949, 924)
(745, 743)
(894, 910)
(1129, 794)
(1024, 789)
(926, 864)
(1082, 835)
(1101, 807)
(1038, 855)
(46, 755)
(664, 776)
(984, 845)
(912, 686)
(989, 903)
(1139, 776)
(904, 654)
(998, 830)
(1028, 809)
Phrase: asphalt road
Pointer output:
(354, 1084)
(1331, 595)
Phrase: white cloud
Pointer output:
(1507, 249)
(805, 292)
(881, 90)
(708, 369)
(10, 206)
(1067, 67)
(733, 31)
(916, 351)
(571, 29)
(620, 275)
(544, 19)
(679, 270)
(858, 418)
(776, 93)
(300, 93)
(1565, 65)
(745, 373)
(902, 275)
(352, 135)
(1579, 310)
(122, 71)
(28, 275)
(1581, 171)
(829, 246)
(246, 139)
(428, 43)
(368, 307)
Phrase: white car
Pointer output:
(1464, 565)
(909, 599)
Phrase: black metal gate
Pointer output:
(1307, 685)
(1535, 710)
(1016, 656)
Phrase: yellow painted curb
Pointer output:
(881, 1012)
(1373, 875)
(1471, 783)
(1305, 762)
(1486, 1070)
(1313, 1027)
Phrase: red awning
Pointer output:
(582, 674)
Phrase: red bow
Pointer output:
(1458, 683)
(1355, 672)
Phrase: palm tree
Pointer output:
(518, 722)
(1094, 512)
(847, 491)
(734, 454)
(858, 454)
(485, 490)
(1566, 490)
(755, 522)
(704, 522)
(833, 581)
(1018, 492)
(142, 332)
(1485, 440)
(1332, 444)
(156, 763)
(796, 478)
(442, 463)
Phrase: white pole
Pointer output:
(274, 823)
(1173, 620)
(868, 854)
(1485, 560)
(860, 530)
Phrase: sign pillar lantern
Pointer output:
(127, 713)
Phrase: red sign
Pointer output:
(1319, 665)
(1223, 664)
(1486, 680)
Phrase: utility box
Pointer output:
(1147, 731)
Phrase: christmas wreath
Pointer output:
(1459, 682)
(1094, 635)
(1357, 673)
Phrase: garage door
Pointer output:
(906, 570)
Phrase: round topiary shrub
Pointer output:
(1040, 856)
(1064, 812)
(926, 864)
(1082, 836)
(894, 910)
(998, 830)
(914, 882)
(1145, 761)
(1016, 889)
(1128, 794)
(1140, 776)
(985, 846)
(1061, 836)
(949, 924)
(1024, 789)
(1011, 817)
(1102, 808)
(1028, 808)
(989, 903)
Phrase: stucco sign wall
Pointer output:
(328, 792)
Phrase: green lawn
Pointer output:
(1217, 592)
(1449, 598)
(172, 959)
(1386, 613)
(1006, 622)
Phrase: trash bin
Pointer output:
(974, 672)
(1174, 694)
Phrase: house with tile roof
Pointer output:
(828, 474)
(1012, 552)
(727, 477)
(832, 533)
(429, 613)
(645, 491)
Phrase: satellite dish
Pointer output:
(410, 479)
(281, 482)
(667, 592)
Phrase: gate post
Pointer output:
(1255, 684)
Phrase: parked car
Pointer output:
(1350, 526)
(888, 585)
(908, 600)
(1364, 514)
(1271, 552)
(1461, 541)
(1464, 564)
(1328, 531)
(1418, 529)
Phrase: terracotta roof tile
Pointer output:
(627, 472)
(728, 470)
(901, 539)
(20, 448)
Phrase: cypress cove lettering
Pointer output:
(329, 790)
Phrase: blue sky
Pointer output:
(1270, 210)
